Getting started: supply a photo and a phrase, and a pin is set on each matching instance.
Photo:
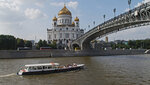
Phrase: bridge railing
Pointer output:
(125, 17)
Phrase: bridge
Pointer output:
(139, 16)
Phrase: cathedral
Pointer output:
(64, 30)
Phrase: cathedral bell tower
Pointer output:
(54, 22)
(76, 22)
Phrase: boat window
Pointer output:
(34, 68)
(44, 67)
(39, 67)
(49, 67)
(30, 68)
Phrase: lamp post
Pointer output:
(129, 3)
(104, 16)
(114, 12)
(88, 26)
(94, 23)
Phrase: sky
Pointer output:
(29, 19)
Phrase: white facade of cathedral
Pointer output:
(64, 30)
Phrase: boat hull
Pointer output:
(52, 71)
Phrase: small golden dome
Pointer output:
(64, 11)
(76, 19)
(73, 23)
(55, 19)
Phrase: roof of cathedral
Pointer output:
(55, 19)
(76, 19)
(64, 11)
(73, 23)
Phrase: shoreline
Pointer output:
(14, 54)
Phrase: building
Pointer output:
(101, 45)
(64, 30)
(121, 42)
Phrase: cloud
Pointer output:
(33, 13)
(57, 4)
(39, 4)
(71, 4)
(9, 5)
(10, 12)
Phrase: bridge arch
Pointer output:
(139, 16)
(75, 45)
(86, 41)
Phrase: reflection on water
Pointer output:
(104, 70)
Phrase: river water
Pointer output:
(103, 70)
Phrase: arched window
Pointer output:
(62, 20)
(60, 35)
(72, 35)
(67, 35)
(77, 23)
(55, 36)
(77, 35)
(66, 28)
(54, 23)
(49, 36)
(67, 41)
(65, 20)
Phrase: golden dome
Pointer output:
(64, 11)
(55, 19)
(73, 23)
(76, 19)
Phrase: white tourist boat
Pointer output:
(46, 68)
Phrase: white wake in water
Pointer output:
(8, 75)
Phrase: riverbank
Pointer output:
(12, 54)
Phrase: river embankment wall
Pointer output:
(10, 54)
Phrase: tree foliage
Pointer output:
(39, 44)
(43, 43)
(134, 44)
(28, 44)
(53, 45)
(20, 42)
(8, 42)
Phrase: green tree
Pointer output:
(53, 45)
(40, 44)
(138, 44)
(28, 44)
(7, 42)
(146, 44)
(131, 44)
(44, 43)
(20, 42)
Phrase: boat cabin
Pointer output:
(39, 67)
